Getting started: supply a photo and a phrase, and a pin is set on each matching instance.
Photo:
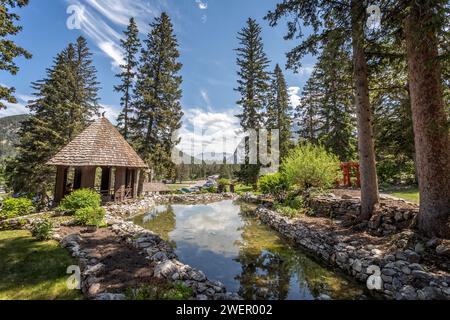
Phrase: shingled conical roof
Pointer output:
(99, 145)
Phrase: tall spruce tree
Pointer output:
(327, 106)
(307, 112)
(8, 49)
(393, 129)
(131, 45)
(157, 98)
(66, 100)
(332, 20)
(279, 111)
(253, 87)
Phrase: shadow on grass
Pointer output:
(410, 194)
(32, 270)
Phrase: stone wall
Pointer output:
(403, 277)
(391, 216)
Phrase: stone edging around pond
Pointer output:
(403, 278)
(159, 253)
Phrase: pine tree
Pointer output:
(326, 109)
(337, 109)
(279, 111)
(332, 21)
(66, 100)
(253, 87)
(253, 83)
(307, 112)
(393, 129)
(8, 49)
(157, 98)
(131, 45)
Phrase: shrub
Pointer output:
(296, 203)
(222, 185)
(90, 216)
(311, 166)
(16, 207)
(80, 199)
(286, 211)
(211, 189)
(162, 292)
(42, 230)
(274, 184)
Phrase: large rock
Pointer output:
(165, 269)
(92, 270)
(110, 296)
(443, 249)
(408, 293)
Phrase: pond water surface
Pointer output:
(229, 245)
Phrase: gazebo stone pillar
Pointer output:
(61, 182)
(119, 184)
(88, 177)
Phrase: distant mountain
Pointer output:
(214, 157)
(208, 158)
(9, 128)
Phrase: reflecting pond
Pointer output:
(229, 245)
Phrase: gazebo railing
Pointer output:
(123, 193)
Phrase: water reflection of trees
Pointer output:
(269, 263)
(163, 224)
(265, 271)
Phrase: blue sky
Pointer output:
(206, 30)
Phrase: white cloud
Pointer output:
(209, 132)
(205, 97)
(306, 71)
(14, 109)
(201, 5)
(111, 112)
(99, 17)
(294, 96)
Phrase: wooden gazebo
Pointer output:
(99, 147)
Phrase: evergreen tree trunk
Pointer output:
(430, 122)
(369, 181)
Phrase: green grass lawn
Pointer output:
(32, 270)
(178, 186)
(410, 194)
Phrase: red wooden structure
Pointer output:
(349, 170)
